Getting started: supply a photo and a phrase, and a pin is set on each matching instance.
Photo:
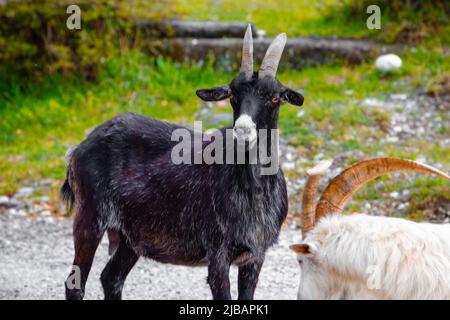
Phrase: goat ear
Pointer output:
(301, 248)
(214, 94)
(292, 97)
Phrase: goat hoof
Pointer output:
(75, 294)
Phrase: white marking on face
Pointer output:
(245, 129)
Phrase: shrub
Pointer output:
(34, 39)
(406, 21)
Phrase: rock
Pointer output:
(24, 192)
(388, 62)
(43, 199)
(24, 204)
(7, 202)
(394, 194)
(46, 213)
(372, 102)
(36, 209)
(392, 139)
(288, 165)
(399, 96)
(46, 219)
(15, 212)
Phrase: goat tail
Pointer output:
(67, 195)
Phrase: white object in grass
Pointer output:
(388, 62)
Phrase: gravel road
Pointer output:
(36, 253)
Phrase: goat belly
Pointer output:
(244, 258)
(168, 255)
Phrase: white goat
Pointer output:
(367, 257)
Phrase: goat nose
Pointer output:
(243, 130)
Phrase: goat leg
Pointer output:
(117, 269)
(248, 279)
(87, 236)
(218, 277)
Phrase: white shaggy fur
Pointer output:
(367, 257)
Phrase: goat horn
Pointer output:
(272, 58)
(310, 195)
(342, 187)
(247, 53)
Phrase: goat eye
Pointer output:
(275, 100)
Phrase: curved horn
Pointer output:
(272, 58)
(310, 195)
(247, 53)
(343, 186)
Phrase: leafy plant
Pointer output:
(34, 38)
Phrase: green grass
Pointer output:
(39, 120)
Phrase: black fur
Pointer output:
(66, 194)
(121, 179)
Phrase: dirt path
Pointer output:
(35, 256)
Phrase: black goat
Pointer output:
(122, 180)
